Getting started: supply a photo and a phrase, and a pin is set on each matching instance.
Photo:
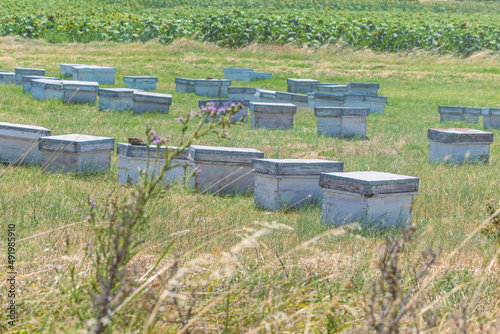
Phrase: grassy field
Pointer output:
(303, 277)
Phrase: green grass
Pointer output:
(323, 278)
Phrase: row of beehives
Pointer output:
(363, 95)
(491, 116)
(331, 121)
(377, 198)
(76, 91)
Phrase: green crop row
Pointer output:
(128, 21)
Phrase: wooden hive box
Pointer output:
(459, 146)
(183, 85)
(132, 158)
(286, 183)
(99, 74)
(322, 87)
(376, 104)
(67, 69)
(7, 78)
(141, 82)
(295, 85)
(491, 118)
(43, 89)
(21, 72)
(224, 170)
(19, 143)
(212, 87)
(356, 88)
(272, 115)
(242, 93)
(151, 102)
(372, 199)
(116, 99)
(341, 121)
(80, 91)
(456, 114)
(27, 79)
(76, 153)
(317, 100)
(264, 95)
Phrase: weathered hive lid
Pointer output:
(290, 167)
(184, 81)
(47, 83)
(226, 103)
(152, 97)
(361, 85)
(460, 135)
(212, 82)
(77, 143)
(369, 184)
(140, 78)
(296, 80)
(134, 151)
(229, 155)
(459, 110)
(117, 92)
(81, 85)
(236, 70)
(341, 112)
(273, 107)
(22, 131)
(7, 74)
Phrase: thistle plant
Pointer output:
(119, 223)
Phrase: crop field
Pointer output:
(394, 26)
(204, 263)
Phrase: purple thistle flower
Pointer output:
(198, 171)
(180, 119)
(164, 140)
(92, 203)
(88, 243)
(191, 164)
(89, 217)
(156, 140)
(189, 114)
(232, 104)
(91, 198)
(221, 110)
(212, 108)
(244, 115)
(133, 289)
(241, 101)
